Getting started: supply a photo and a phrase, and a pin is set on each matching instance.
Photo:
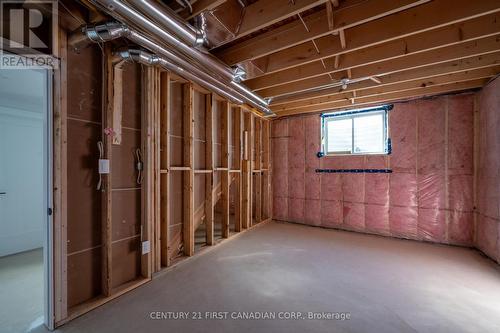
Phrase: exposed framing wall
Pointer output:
(196, 153)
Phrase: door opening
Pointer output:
(25, 99)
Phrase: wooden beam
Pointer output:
(293, 33)
(148, 193)
(246, 171)
(261, 14)
(449, 53)
(343, 43)
(251, 149)
(385, 97)
(394, 85)
(210, 104)
(426, 72)
(413, 84)
(237, 165)
(164, 165)
(477, 28)
(257, 187)
(225, 165)
(201, 6)
(156, 170)
(415, 20)
(107, 139)
(116, 124)
(60, 188)
(329, 14)
(188, 125)
(266, 167)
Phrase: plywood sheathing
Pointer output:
(84, 207)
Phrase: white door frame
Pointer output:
(48, 239)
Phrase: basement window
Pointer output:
(356, 132)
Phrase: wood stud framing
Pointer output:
(188, 125)
(439, 46)
(164, 140)
(236, 167)
(60, 215)
(210, 102)
(231, 120)
(107, 120)
(225, 182)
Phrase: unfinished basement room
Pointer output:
(250, 166)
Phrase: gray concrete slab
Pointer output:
(386, 285)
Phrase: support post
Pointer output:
(188, 124)
(107, 121)
(210, 103)
(225, 164)
(246, 172)
(258, 167)
(148, 185)
(237, 156)
(164, 165)
(60, 181)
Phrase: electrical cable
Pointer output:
(139, 165)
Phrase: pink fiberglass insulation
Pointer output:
(488, 171)
(429, 195)
(279, 137)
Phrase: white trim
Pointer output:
(48, 244)
(324, 132)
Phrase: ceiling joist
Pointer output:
(401, 82)
(393, 96)
(320, 55)
(476, 28)
(265, 13)
(454, 52)
(415, 20)
(293, 33)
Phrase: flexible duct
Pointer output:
(149, 59)
(123, 12)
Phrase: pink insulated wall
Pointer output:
(488, 171)
(429, 195)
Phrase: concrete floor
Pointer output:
(386, 285)
(21, 291)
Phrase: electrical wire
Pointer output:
(139, 165)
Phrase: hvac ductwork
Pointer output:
(170, 60)
(128, 15)
(169, 21)
(150, 59)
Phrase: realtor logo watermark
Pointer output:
(28, 29)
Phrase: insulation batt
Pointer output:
(429, 195)
(488, 172)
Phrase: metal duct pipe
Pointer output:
(169, 21)
(150, 59)
(122, 12)
(98, 33)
